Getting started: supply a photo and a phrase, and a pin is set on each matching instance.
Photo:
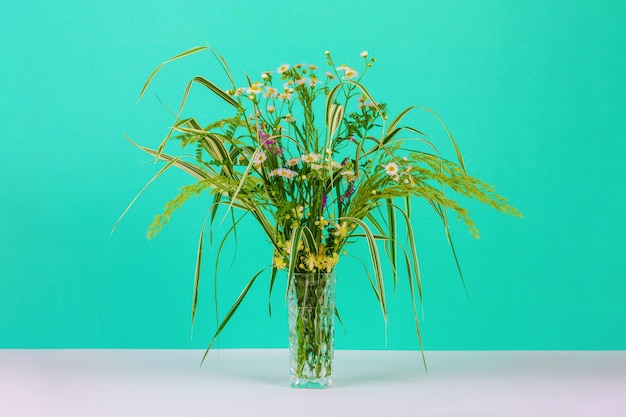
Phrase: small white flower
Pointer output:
(239, 91)
(391, 169)
(271, 92)
(255, 88)
(282, 69)
(310, 158)
(293, 162)
(350, 73)
(289, 118)
(364, 54)
(260, 158)
(271, 109)
(343, 67)
(348, 176)
(287, 173)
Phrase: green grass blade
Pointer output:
(272, 279)
(293, 256)
(454, 145)
(367, 94)
(215, 89)
(174, 58)
(231, 229)
(245, 175)
(340, 321)
(232, 311)
(369, 277)
(224, 65)
(333, 121)
(391, 245)
(394, 123)
(196, 279)
(375, 258)
(172, 162)
(190, 169)
(413, 249)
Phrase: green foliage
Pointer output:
(316, 182)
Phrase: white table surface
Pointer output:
(255, 382)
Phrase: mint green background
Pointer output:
(534, 92)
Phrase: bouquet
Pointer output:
(319, 163)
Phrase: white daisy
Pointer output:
(255, 88)
(350, 73)
(260, 158)
(271, 92)
(310, 158)
(283, 68)
(287, 173)
(391, 169)
(293, 162)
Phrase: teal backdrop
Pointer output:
(534, 92)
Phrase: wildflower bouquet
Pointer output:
(315, 159)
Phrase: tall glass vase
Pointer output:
(311, 329)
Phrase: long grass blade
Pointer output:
(375, 258)
(145, 187)
(294, 243)
(196, 279)
(174, 58)
(232, 229)
(202, 81)
(230, 313)
(272, 279)
(454, 145)
(413, 249)
(391, 245)
(369, 277)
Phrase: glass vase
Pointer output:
(311, 329)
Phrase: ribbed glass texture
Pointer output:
(311, 329)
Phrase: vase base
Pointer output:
(318, 383)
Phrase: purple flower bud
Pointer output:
(348, 193)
